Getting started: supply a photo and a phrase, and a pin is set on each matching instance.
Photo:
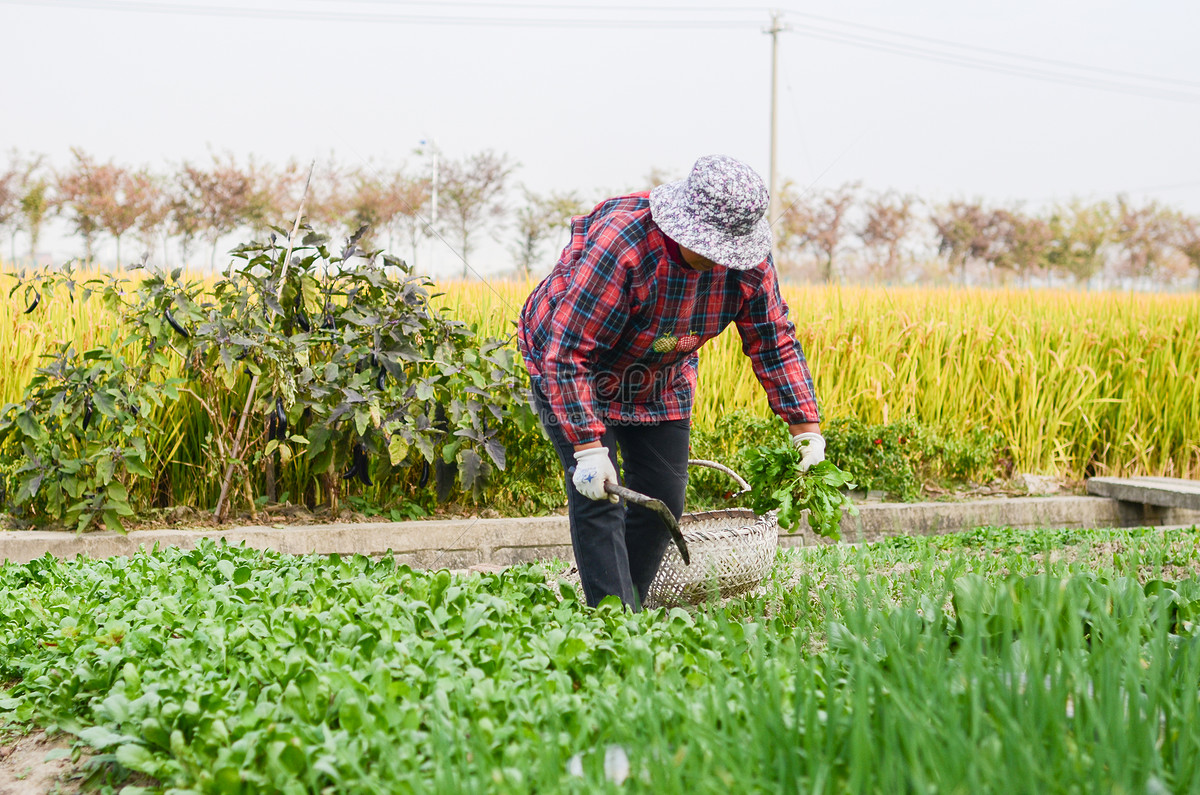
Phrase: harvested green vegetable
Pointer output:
(777, 484)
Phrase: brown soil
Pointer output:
(24, 769)
(183, 517)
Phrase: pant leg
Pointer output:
(655, 463)
(597, 526)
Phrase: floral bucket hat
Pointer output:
(719, 211)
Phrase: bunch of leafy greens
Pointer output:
(776, 483)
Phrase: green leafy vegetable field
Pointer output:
(996, 661)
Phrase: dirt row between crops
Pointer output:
(36, 764)
(25, 769)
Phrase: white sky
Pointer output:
(593, 107)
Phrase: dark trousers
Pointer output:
(618, 547)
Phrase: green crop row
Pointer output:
(994, 662)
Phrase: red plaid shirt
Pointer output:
(611, 334)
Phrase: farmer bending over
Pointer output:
(610, 339)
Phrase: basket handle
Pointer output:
(697, 462)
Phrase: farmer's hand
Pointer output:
(592, 470)
(812, 447)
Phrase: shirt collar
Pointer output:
(672, 249)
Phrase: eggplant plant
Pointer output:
(331, 362)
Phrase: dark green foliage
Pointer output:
(77, 440)
(533, 483)
(877, 456)
(898, 458)
(313, 407)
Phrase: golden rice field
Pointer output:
(1079, 383)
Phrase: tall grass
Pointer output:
(1078, 383)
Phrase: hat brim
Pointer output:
(668, 208)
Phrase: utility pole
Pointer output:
(431, 226)
(433, 214)
(777, 27)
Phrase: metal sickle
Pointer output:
(658, 507)
(651, 504)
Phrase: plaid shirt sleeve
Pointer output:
(769, 339)
(589, 317)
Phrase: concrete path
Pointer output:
(1163, 492)
(462, 543)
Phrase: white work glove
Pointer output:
(593, 469)
(812, 446)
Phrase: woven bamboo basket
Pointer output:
(731, 552)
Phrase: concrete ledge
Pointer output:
(452, 544)
(1167, 492)
(461, 543)
(882, 520)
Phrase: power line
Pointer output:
(262, 12)
(559, 6)
(1034, 73)
(1173, 186)
(931, 49)
(742, 10)
(974, 48)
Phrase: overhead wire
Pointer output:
(969, 47)
(1028, 72)
(928, 48)
(975, 48)
(267, 12)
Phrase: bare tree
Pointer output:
(80, 191)
(36, 204)
(11, 180)
(538, 220)
(1143, 238)
(389, 201)
(411, 196)
(472, 195)
(1186, 241)
(889, 220)
(184, 220)
(1079, 233)
(126, 196)
(659, 176)
(819, 226)
(329, 195)
(964, 233)
(368, 205)
(1019, 243)
(269, 195)
(215, 199)
(153, 225)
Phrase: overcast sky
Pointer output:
(591, 96)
